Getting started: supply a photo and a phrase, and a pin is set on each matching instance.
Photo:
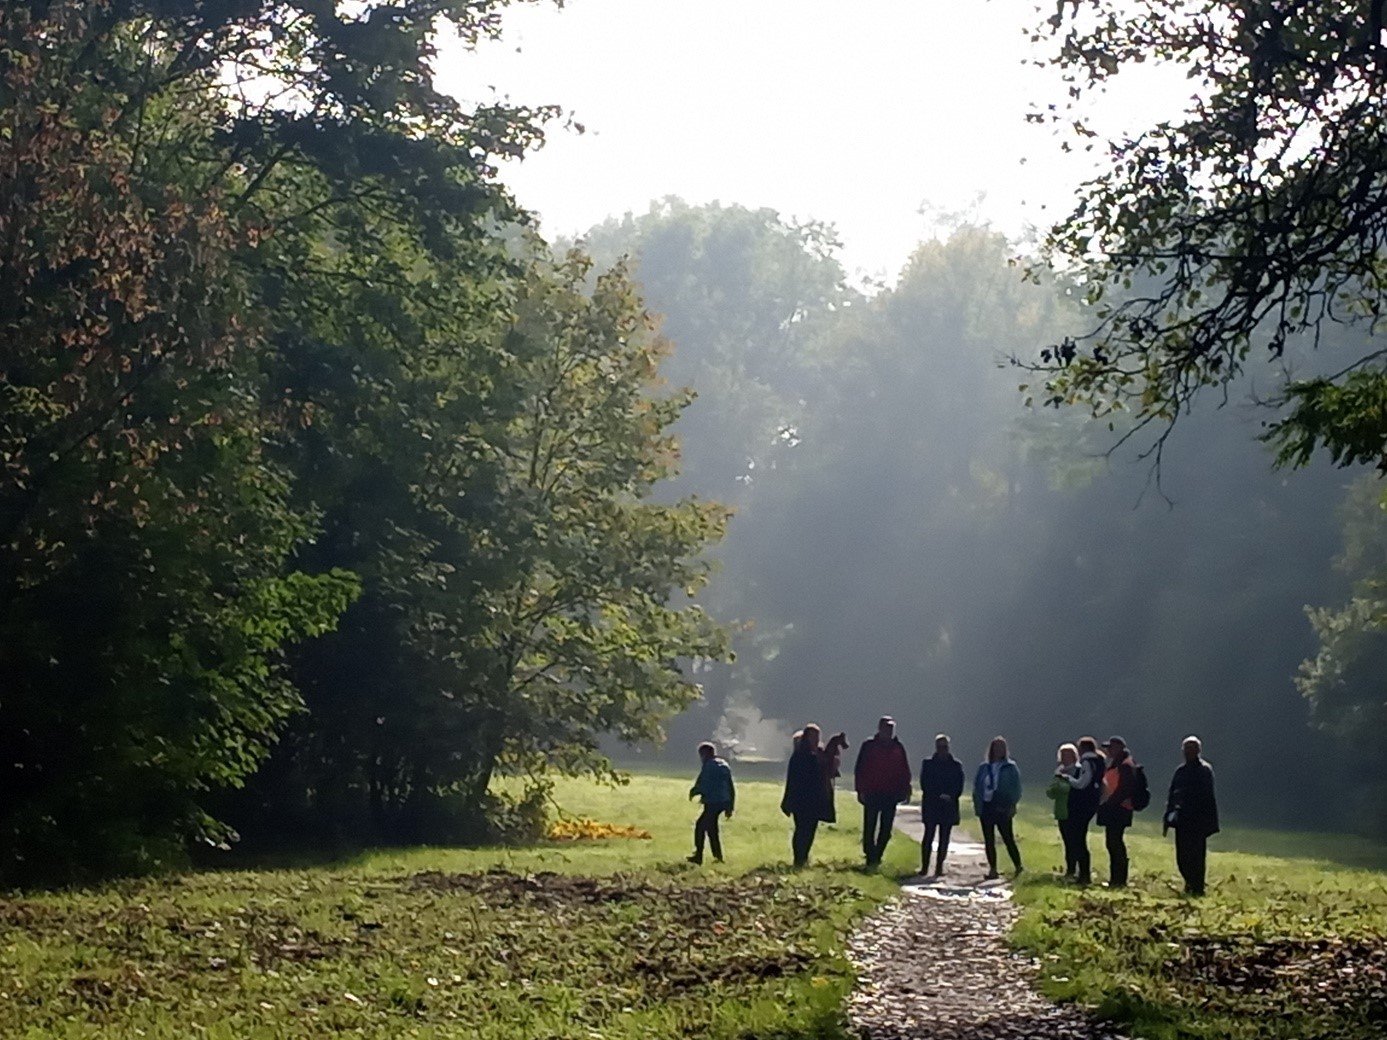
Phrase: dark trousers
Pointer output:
(1077, 860)
(806, 825)
(706, 828)
(944, 830)
(992, 825)
(878, 817)
(1191, 856)
(1116, 836)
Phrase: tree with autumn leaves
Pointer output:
(307, 471)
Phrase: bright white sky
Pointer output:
(858, 112)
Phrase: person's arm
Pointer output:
(697, 788)
(1084, 777)
(903, 776)
(857, 768)
(731, 792)
(1213, 802)
(959, 781)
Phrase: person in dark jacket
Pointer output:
(1115, 808)
(941, 787)
(719, 794)
(830, 769)
(1192, 811)
(1086, 789)
(996, 791)
(807, 798)
(882, 780)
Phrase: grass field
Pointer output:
(617, 939)
(1291, 941)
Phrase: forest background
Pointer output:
(329, 492)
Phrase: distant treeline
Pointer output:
(909, 539)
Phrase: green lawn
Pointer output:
(617, 939)
(1289, 943)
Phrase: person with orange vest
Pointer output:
(1116, 807)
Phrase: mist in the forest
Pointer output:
(914, 537)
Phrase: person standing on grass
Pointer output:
(1058, 791)
(719, 794)
(996, 792)
(808, 799)
(1116, 806)
(1086, 788)
(941, 787)
(1192, 811)
(882, 780)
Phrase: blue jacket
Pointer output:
(1008, 791)
(715, 786)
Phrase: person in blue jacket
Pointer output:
(714, 785)
(996, 791)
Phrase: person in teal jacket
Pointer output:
(996, 792)
(714, 785)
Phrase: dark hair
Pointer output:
(708, 748)
(1088, 745)
(1006, 752)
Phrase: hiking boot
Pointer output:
(695, 860)
(991, 875)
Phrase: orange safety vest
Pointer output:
(1112, 776)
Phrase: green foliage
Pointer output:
(277, 357)
(1256, 216)
(518, 600)
(1343, 681)
(144, 534)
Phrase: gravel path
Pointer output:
(934, 964)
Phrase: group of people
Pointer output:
(1089, 784)
(1110, 788)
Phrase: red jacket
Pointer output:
(883, 770)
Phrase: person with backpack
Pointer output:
(1192, 811)
(1085, 791)
(882, 780)
(718, 793)
(941, 787)
(1125, 792)
(996, 791)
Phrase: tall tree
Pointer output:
(1257, 216)
(144, 534)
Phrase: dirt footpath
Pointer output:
(935, 965)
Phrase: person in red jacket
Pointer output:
(882, 779)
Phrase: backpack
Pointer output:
(1141, 794)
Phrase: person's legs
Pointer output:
(1067, 841)
(1191, 852)
(926, 843)
(805, 826)
(886, 822)
(944, 831)
(700, 835)
(1083, 860)
(711, 827)
(989, 843)
(1117, 855)
(1004, 827)
(870, 814)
